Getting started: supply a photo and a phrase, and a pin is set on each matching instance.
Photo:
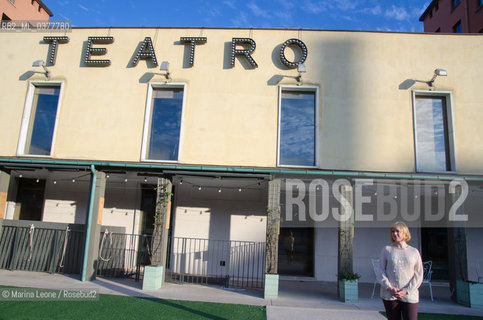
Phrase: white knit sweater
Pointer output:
(400, 268)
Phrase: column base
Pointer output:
(153, 277)
(271, 286)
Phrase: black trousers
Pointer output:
(396, 308)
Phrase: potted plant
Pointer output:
(348, 286)
(153, 277)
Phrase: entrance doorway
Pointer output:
(434, 245)
(148, 208)
(296, 252)
(30, 199)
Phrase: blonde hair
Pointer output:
(404, 228)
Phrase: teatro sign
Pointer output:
(146, 50)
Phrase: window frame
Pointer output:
(315, 90)
(457, 26)
(147, 118)
(448, 97)
(27, 114)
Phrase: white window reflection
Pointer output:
(432, 141)
(297, 128)
(165, 124)
(40, 130)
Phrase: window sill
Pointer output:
(160, 161)
(35, 156)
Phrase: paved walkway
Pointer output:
(297, 299)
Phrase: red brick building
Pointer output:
(24, 10)
(453, 16)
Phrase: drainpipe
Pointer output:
(89, 222)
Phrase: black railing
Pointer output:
(123, 255)
(46, 247)
(39, 248)
(225, 262)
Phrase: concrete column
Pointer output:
(457, 255)
(4, 182)
(273, 232)
(346, 233)
(93, 226)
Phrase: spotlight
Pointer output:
(41, 63)
(437, 72)
(165, 67)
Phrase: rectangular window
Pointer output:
(162, 127)
(457, 28)
(433, 132)
(39, 121)
(455, 3)
(298, 127)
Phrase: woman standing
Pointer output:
(400, 275)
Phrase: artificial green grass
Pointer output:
(433, 316)
(122, 307)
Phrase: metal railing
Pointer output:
(123, 255)
(225, 262)
(36, 248)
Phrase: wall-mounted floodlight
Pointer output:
(437, 72)
(301, 69)
(41, 63)
(165, 67)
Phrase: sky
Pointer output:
(366, 15)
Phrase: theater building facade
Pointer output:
(284, 152)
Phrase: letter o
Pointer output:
(297, 43)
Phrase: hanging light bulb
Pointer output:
(199, 188)
(145, 179)
(73, 180)
(219, 190)
(239, 189)
(37, 180)
(55, 182)
(20, 176)
(125, 180)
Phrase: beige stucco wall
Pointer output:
(230, 114)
